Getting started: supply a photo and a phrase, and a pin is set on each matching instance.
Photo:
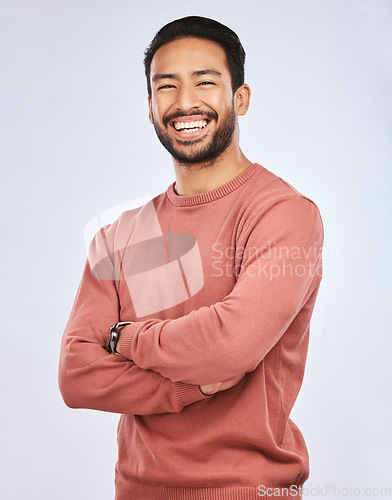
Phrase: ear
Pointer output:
(149, 109)
(242, 99)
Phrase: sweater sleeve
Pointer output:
(90, 377)
(281, 267)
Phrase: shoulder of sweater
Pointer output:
(269, 190)
(115, 236)
(271, 208)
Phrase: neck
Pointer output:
(202, 177)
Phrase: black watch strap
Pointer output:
(113, 336)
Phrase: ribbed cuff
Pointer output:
(188, 393)
(126, 339)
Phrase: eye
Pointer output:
(166, 86)
(206, 83)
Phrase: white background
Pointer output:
(75, 141)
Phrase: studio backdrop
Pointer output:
(77, 148)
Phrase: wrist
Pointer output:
(114, 337)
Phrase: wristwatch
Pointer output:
(114, 336)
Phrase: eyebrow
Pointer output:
(174, 76)
(202, 72)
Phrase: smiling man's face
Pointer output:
(191, 104)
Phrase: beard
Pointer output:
(204, 154)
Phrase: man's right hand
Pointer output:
(210, 389)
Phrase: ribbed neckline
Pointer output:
(215, 194)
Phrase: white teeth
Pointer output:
(190, 126)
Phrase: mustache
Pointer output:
(178, 114)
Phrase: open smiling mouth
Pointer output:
(189, 127)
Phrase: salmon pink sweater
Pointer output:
(214, 285)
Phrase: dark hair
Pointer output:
(204, 28)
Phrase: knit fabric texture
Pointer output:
(215, 284)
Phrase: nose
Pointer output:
(187, 98)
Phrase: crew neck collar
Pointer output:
(214, 194)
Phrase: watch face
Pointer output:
(113, 338)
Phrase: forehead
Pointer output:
(186, 55)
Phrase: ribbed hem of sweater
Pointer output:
(214, 194)
(127, 491)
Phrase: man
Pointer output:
(208, 292)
